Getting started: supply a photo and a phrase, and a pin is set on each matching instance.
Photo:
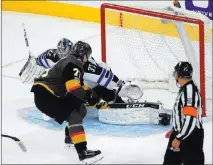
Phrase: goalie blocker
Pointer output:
(135, 113)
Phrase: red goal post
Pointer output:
(166, 16)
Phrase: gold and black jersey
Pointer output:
(187, 111)
(66, 76)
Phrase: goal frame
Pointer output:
(198, 22)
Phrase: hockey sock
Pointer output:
(78, 137)
(81, 146)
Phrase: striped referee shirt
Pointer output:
(187, 111)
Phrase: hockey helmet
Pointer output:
(64, 47)
(80, 49)
(183, 69)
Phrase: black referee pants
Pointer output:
(191, 150)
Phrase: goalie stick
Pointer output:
(30, 70)
(29, 52)
(21, 145)
(25, 66)
(135, 105)
(117, 92)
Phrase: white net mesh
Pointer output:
(148, 48)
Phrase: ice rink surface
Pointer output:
(44, 142)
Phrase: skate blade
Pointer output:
(92, 160)
(69, 146)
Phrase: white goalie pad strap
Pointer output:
(30, 70)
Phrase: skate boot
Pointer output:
(68, 141)
(89, 156)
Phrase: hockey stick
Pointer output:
(134, 105)
(30, 69)
(21, 145)
(29, 52)
(117, 92)
(26, 39)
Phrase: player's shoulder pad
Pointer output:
(49, 51)
(51, 54)
(71, 66)
(92, 61)
(71, 60)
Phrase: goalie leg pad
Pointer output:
(135, 113)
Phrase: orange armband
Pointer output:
(191, 111)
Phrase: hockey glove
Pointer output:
(91, 97)
(102, 105)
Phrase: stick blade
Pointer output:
(22, 146)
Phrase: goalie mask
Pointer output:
(64, 47)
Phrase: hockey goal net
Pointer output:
(145, 44)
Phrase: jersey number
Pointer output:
(45, 73)
(76, 72)
(92, 68)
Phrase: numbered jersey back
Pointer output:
(54, 79)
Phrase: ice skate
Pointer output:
(89, 156)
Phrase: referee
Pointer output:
(186, 137)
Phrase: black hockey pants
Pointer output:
(58, 108)
(191, 150)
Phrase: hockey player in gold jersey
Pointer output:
(60, 93)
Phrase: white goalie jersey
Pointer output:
(95, 73)
(99, 74)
